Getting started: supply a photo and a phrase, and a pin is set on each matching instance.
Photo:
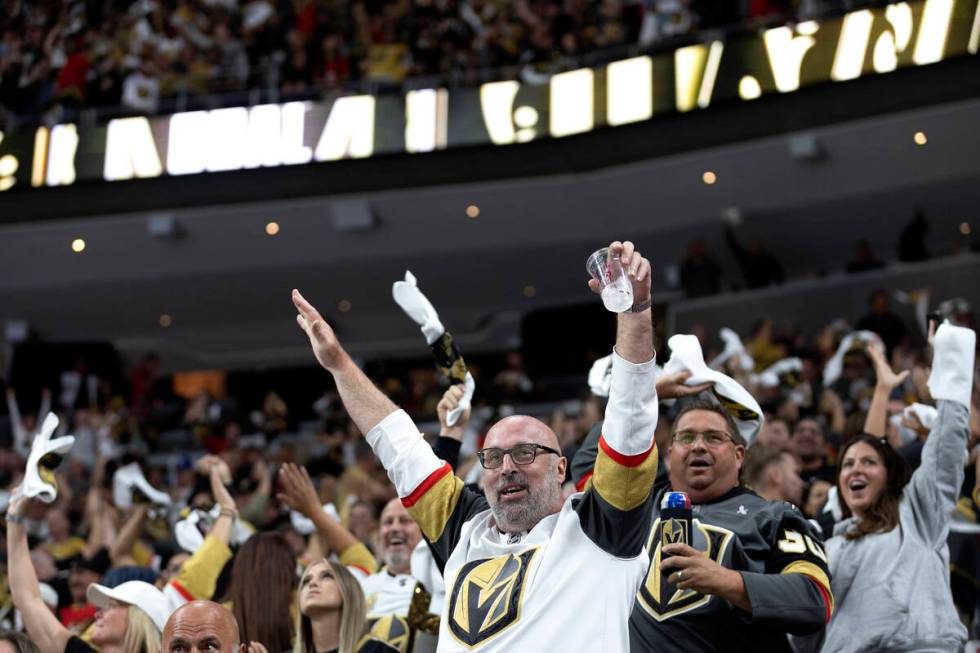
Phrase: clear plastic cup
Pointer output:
(614, 286)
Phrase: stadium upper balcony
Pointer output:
(156, 57)
(493, 74)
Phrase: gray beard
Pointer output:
(523, 516)
(395, 560)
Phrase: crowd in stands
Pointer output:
(57, 57)
(229, 513)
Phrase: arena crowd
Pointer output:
(58, 57)
(834, 483)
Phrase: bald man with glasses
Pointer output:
(512, 557)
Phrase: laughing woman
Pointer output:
(332, 614)
(888, 558)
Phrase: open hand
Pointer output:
(297, 490)
(883, 371)
(324, 341)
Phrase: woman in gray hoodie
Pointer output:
(888, 558)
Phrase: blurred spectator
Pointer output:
(512, 382)
(759, 267)
(864, 258)
(773, 473)
(809, 442)
(912, 240)
(700, 274)
(882, 321)
(774, 433)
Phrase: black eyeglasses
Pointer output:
(522, 454)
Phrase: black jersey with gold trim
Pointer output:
(781, 559)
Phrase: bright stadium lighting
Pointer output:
(629, 90)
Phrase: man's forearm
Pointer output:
(365, 403)
(634, 335)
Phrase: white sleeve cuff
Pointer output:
(406, 457)
(632, 410)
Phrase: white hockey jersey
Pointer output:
(570, 582)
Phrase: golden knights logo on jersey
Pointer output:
(392, 629)
(674, 530)
(486, 597)
(658, 596)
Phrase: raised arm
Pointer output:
(198, 576)
(41, 624)
(365, 403)
(300, 495)
(430, 491)
(121, 552)
(876, 423)
(614, 513)
(935, 485)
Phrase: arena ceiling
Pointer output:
(225, 283)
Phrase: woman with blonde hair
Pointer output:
(130, 617)
(332, 613)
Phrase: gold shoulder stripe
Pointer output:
(432, 510)
(624, 487)
(813, 571)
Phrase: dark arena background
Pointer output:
(795, 171)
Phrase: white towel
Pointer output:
(304, 525)
(39, 480)
(418, 307)
(189, 532)
(600, 376)
(953, 351)
(832, 370)
(775, 374)
(130, 477)
(733, 348)
(686, 354)
(926, 414)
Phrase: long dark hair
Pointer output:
(883, 514)
(261, 591)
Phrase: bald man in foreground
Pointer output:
(521, 565)
(201, 627)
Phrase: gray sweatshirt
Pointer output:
(891, 590)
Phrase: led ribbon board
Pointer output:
(778, 60)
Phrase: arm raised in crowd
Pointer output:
(198, 576)
(615, 513)
(434, 496)
(876, 423)
(365, 403)
(299, 494)
(40, 623)
(935, 485)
